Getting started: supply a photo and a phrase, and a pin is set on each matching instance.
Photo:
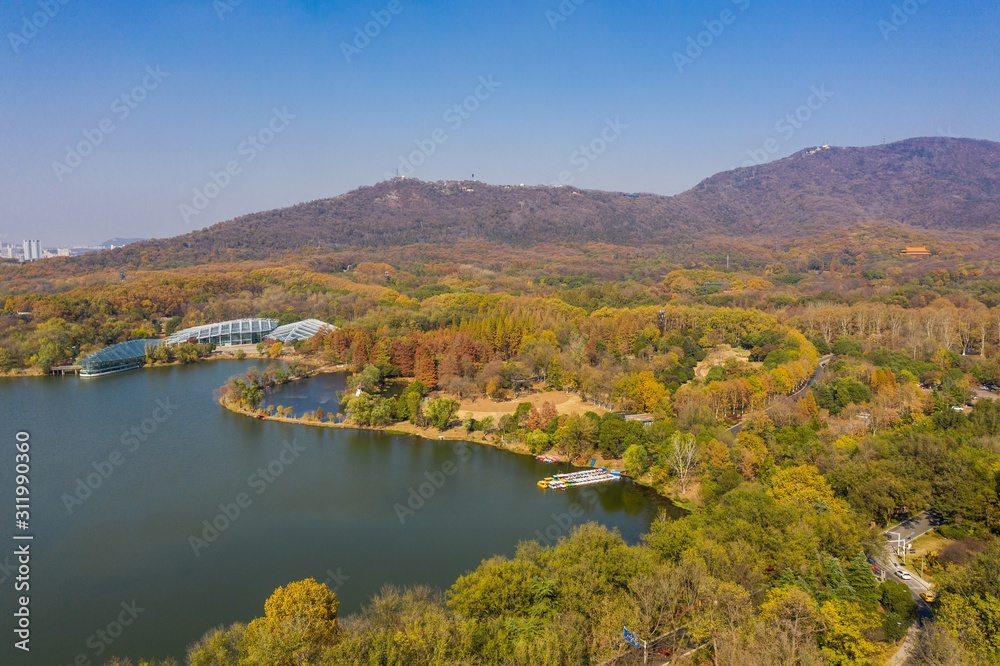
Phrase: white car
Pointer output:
(904, 574)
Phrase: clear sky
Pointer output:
(115, 115)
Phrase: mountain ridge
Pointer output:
(927, 183)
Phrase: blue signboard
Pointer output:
(631, 638)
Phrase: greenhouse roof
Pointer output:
(123, 351)
(209, 332)
(300, 330)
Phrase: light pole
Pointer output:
(897, 540)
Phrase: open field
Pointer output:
(565, 403)
(718, 356)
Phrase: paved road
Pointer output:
(916, 526)
(823, 362)
(908, 530)
(980, 393)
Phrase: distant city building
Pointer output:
(32, 250)
(916, 252)
(63, 252)
(74, 251)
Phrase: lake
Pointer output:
(157, 515)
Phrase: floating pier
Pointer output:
(583, 478)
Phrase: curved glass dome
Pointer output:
(300, 330)
(116, 358)
(226, 333)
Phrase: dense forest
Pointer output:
(772, 563)
(770, 566)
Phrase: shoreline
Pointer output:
(22, 373)
(452, 434)
(456, 433)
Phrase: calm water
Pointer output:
(321, 391)
(317, 502)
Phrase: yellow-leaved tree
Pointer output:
(300, 621)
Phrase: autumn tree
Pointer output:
(425, 369)
(807, 404)
(795, 618)
(641, 392)
(548, 414)
(299, 620)
(576, 435)
(844, 639)
(718, 456)
(970, 604)
(883, 382)
(218, 647)
(753, 454)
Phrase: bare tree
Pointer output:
(682, 458)
(937, 646)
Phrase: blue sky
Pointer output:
(232, 107)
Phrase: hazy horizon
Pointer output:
(191, 113)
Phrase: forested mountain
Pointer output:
(933, 183)
(705, 310)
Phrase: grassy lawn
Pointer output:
(928, 543)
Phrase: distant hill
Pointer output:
(931, 183)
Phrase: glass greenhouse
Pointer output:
(116, 358)
(300, 330)
(227, 333)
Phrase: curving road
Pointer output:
(823, 362)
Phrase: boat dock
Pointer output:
(582, 478)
